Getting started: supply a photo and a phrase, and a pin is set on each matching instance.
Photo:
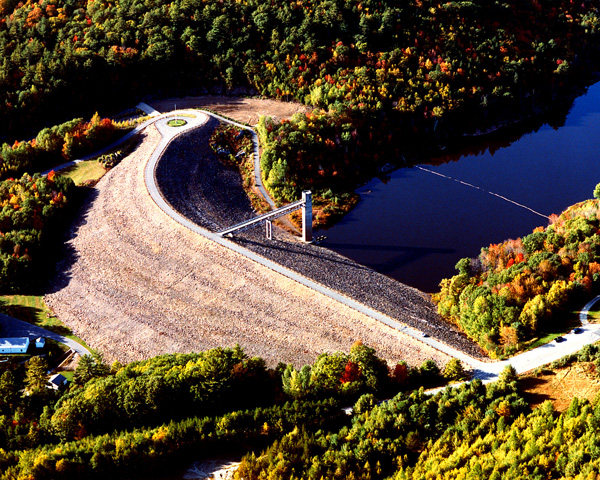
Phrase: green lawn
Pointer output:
(177, 122)
(543, 340)
(32, 309)
(68, 374)
(562, 324)
(84, 171)
(594, 313)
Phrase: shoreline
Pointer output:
(374, 323)
(137, 284)
(198, 196)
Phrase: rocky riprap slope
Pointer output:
(210, 194)
(135, 283)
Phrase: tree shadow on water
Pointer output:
(398, 255)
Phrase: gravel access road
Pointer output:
(197, 185)
(137, 284)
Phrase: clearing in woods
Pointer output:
(561, 385)
(244, 110)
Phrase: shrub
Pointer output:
(454, 370)
(430, 372)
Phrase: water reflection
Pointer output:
(417, 225)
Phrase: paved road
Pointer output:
(588, 333)
(255, 154)
(168, 134)
(11, 327)
(572, 342)
(154, 117)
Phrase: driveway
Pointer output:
(11, 327)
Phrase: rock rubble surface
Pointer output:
(135, 283)
(211, 195)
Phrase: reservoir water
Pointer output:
(422, 220)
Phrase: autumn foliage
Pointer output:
(519, 288)
(30, 208)
(423, 60)
(393, 76)
(55, 145)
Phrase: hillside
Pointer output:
(424, 58)
(516, 290)
(387, 79)
(127, 421)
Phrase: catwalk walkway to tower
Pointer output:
(305, 204)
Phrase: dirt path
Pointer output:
(137, 284)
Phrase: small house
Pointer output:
(57, 381)
(14, 345)
(40, 342)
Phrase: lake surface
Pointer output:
(418, 224)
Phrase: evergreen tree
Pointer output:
(90, 366)
(9, 390)
(454, 370)
(36, 377)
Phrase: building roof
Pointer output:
(57, 379)
(14, 342)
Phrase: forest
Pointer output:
(129, 420)
(385, 78)
(473, 431)
(515, 289)
(35, 209)
(57, 144)
(382, 79)
(417, 57)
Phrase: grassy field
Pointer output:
(84, 171)
(32, 309)
(564, 324)
(594, 313)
